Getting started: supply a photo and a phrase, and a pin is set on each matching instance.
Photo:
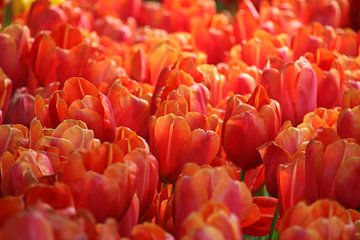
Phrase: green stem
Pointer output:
(242, 176)
(7, 15)
(276, 215)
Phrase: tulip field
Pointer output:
(179, 119)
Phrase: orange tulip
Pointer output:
(348, 124)
(129, 110)
(21, 170)
(177, 140)
(213, 33)
(213, 220)
(12, 137)
(330, 75)
(14, 48)
(5, 92)
(246, 21)
(331, 170)
(323, 219)
(79, 99)
(249, 124)
(149, 231)
(286, 145)
(197, 185)
(294, 86)
(101, 172)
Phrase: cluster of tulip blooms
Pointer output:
(169, 120)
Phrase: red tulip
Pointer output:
(332, 168)
(44, 16)
(323, 219)
(249, 124)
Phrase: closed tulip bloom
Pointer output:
(348, 124)
(247, 125)
(332, 167)
(14, 48)
(21, 109)
(5, 92)
(130, 110)
(177, 140)
(294, 86)
(324, 219)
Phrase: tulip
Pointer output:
(213, 220)
(5, 92)
(321, 220)
(282, 150)
(246, 21)
(330, 75)
(149, 231)
(213, 33)
(183, 12)
(249, 124)
(198, 185)
(21, 170)
(33, 225)
(129, 110)
(295, 88)
(331, 170)
(41, 10)
(14, 48)
(177, 140)
(168, 56)
(12, 137)
(79, 99)
(348, 124)
(21, 108)
(57, 196)
(121, 9)
(101, 172)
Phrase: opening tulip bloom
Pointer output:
(249, 124)
(198, 185)
(321, 220)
